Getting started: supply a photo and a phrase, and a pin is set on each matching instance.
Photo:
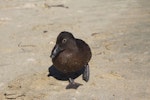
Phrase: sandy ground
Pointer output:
(118, 32)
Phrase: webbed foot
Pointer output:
(72, 84)
(86, 73)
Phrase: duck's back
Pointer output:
(84, 50)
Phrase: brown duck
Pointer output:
(70, 55)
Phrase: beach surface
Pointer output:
(118, 32)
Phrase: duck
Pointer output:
(70, 55)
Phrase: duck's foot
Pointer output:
(86, 73)
(72, 84)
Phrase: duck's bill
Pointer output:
(56, 50)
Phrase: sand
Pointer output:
(118, 32)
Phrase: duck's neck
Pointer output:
(73, 46)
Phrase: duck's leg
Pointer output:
(86, 73)
(72, 84)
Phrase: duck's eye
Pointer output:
(64, 40)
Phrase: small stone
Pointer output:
(45, 31)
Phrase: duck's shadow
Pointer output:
(61, 76)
